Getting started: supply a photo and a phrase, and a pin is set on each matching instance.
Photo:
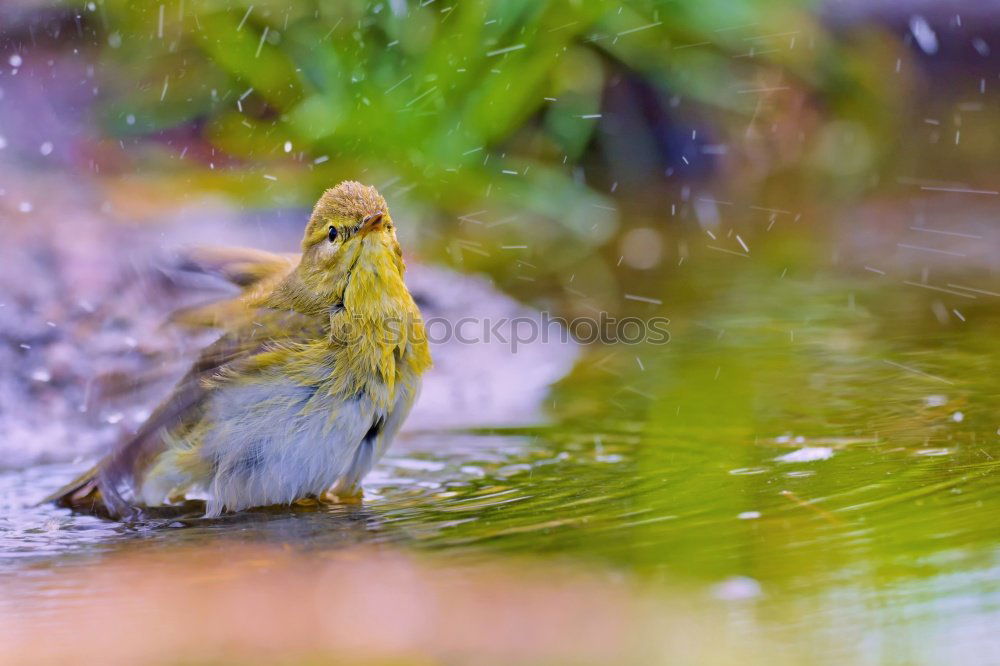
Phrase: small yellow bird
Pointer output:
(318, 365)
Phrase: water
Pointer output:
(816, 451)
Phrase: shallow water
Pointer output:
(818, 452)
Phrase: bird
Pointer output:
(318, 363)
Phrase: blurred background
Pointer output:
(807, 189)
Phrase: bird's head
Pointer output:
(350, 223)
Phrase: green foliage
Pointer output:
(487, 106)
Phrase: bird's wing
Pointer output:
(242, 266)
(253, 271)
(259, 331)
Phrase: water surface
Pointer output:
(817, 452)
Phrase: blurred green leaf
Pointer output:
(491, 105)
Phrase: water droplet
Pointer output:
(41, 375)
(641, 248)
(807, 454)
(924, 34)
(935, 400)
(737, 588)
(740, 471)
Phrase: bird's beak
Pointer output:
(371, 222)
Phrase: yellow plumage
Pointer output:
(317, 366)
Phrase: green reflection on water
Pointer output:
(669, 458)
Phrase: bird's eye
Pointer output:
(333, 234)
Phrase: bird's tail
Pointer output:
(79, 492)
